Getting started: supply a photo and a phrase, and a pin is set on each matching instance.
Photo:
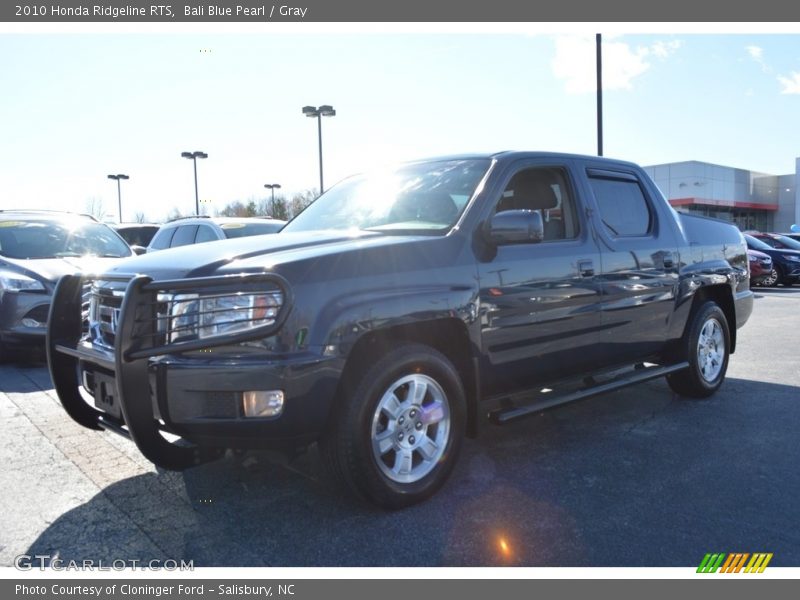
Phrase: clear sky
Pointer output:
(77, 107)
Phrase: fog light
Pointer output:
(28, 322)
(263, 404)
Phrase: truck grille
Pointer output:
(108, 308)
(105, 305)
(105, 301)
(104, 308)
(86, 295)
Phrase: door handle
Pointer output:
(586, 268)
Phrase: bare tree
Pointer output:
(140, 217)
(301, 200)
(277, 209)
(174, 213)
(280, 208)
(234, 209)
(94, 206)
(263, 207)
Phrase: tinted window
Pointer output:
(184, 236)
(205, 234)
(623, 207)
(53, 239)
(162, 238)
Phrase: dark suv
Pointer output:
(399, 311)
(196, 230)
(137, 234)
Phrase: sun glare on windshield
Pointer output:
(425, 197)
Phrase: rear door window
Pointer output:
(205, 234)
(184, 236)
(623, 207)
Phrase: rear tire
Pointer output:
(397, 431)
(706, 346)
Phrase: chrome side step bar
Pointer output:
(639, 374)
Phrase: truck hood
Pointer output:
(252, 254)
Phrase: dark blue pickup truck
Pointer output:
(402, 311)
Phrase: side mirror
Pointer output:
(516, 227)
(137, 250)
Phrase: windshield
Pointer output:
(421, 197)
(243, 229)
(54, 239)
(756, 244)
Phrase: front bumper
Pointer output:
(23, 318)
(760, 270)
(185, 389)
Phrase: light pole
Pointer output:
(194, 156)
(118, 177)
(323, 111)
(273, 187)
(599, 65)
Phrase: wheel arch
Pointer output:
(723, 297)
(449, 336)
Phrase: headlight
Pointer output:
(17, 282)
(198, 316)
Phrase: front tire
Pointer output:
(706, 346)
(772, 280)
(397, 430)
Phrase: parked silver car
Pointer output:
(197, 230)
(36, 249)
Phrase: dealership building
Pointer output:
(749, 199)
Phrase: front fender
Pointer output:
(345, 319)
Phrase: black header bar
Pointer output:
(441, 11)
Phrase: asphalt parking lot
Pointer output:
(632, 478)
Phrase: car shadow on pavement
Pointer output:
(637, 477)
(23, 374)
